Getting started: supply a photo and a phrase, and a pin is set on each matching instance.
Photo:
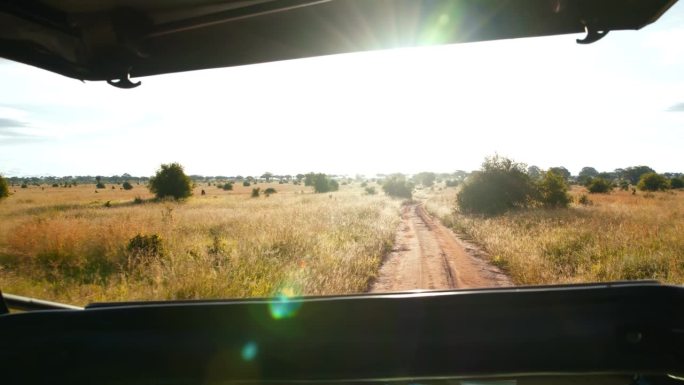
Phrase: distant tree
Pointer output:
(677, 182)
(171, 181)
(653, 182)
(228, 186)
(534, 172)
(255, 192)
(127, 185)
(4, 188)
(425, 178)
(267, 176)
(609, 176)
(553, 190)
(562, 171)
(246, 183)
(460, 175)
(100, 185)
(586, 174)
(599, 186)
(500, 185)
(397, 186)
(588, 171)
(633, 174)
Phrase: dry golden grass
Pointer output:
(619, 236)
(64, 244)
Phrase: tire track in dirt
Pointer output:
(427, 255)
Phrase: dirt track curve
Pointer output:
(427, 255)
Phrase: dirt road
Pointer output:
(427, 255)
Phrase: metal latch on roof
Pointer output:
(124, 82)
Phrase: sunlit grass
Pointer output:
(619, 236)
(64, 244)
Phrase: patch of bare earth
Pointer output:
(427, 255)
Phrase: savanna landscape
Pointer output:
(502, 225)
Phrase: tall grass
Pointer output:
(67, 245)
(619, 236)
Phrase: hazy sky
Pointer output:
(543, 101)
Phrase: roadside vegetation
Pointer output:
(542, 232)
(77, 245)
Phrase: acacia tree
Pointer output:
(171, 181)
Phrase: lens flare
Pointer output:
(282, 306)
(249, 351)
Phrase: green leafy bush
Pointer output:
(127, 185)
(500, 185)
(599, 186)
(370, 191)
(256, 192)
(321, 183)
(653, 182)
(227, 186)
(100, 185)
(171, 181)
(246, 183)
(553, 190)
(269, 191)
(4, 188)
(677, 182)
(397, 186)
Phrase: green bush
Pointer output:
(227, 186)
(246, 184)
(370, 191)
(451, 183)
(4, 188)
(269, 191)
(677, 182)
(599, 186)
(500, 185)
(553, 190)
(255, 192)
(397, 186)
(321, 183)
(127, 185)
(171, 181)
(100, 185)
(653, 182)
(24, 185)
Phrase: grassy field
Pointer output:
(70, 245)
(619, 236)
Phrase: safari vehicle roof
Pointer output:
(112, 39)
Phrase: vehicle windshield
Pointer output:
(515, 162)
